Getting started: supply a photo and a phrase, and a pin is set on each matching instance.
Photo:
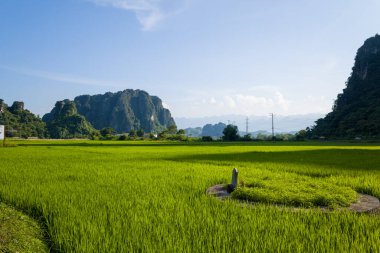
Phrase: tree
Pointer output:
(263, 137)
(181, 132)
(140, 132)
(152, 136)
(207, 138)
(122, 137)
(247, 137)
(21, 122)
(132, 133)
(172, 129)
(163, 134)
(300, 136)
(107, 132)
(309, 133)
(95, 135)
(230, 133)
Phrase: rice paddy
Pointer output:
(150, 196)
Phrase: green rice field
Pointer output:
(130, 196)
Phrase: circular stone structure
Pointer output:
(219, 191)
(364, 204)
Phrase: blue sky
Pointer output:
(202, 57)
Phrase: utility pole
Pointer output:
(3, 114)
(271, 114)
(246, 125)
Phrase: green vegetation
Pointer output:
(129, 110)
(140, 133)
(20, 233)
(107, 133)
(21, 122)
(123, 111)
(64, 122)
(207, 138)
(356, 112)
(230, 133)
(294, 190)
(130, 196)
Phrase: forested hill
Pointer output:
(356, 111)
(64, 122)
(123, 111)
(20, 122)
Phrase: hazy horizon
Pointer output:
(201, 58)
(282, 123)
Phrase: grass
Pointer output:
(294, 190)
(150, 197)
(20, 233)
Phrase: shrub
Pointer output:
(207, 138)
(122, 137)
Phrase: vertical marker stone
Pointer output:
(234, 181)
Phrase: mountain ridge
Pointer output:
(356, 111)
(123, 111)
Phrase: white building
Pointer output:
(2, 128)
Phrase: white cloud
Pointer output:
(281, 101)
(60, 77)
(250, 100)
(248, 104)
(244, 103)
(319, 104)
(230, 101)
(148, 12)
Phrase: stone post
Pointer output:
(234, 181)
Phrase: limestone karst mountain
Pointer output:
(20, 122)
(123, 111)
(64, 122)
(356, 111)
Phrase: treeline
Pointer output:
(231, 133)
(171, 133)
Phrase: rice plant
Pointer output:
(150, 196)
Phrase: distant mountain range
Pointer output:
(282, 124)
(216, 131)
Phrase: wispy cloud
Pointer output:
(60, 77)
(148, 12)
(245, 102)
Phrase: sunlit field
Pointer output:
(150, 196)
